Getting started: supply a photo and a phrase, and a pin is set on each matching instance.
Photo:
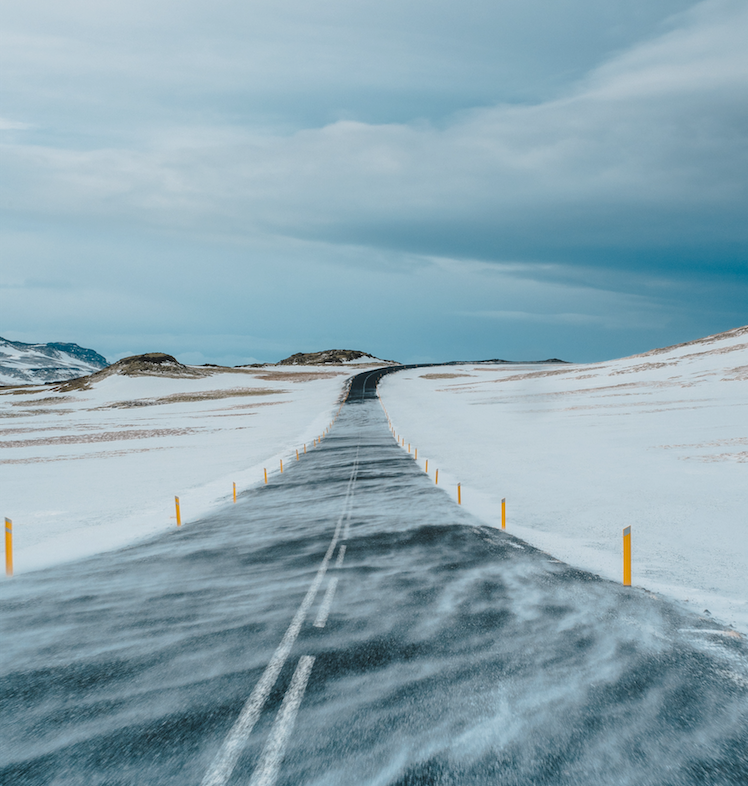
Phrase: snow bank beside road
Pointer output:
(657, 441)
(85, 470)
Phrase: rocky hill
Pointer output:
(152, 364)
(24, 364)
(336, 357)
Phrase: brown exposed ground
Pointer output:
(48, 401)
(106, 436)
(444, 376)
(294, 376)
(188, 398)
(741, 331)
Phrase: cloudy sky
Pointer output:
(237, 180)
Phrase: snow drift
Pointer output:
(658, 441)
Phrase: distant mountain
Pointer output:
(29, 364)
(334, 357)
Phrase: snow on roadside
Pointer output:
(87, 470)
(657, 441)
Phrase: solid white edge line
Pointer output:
(326, 605)
(271, 758)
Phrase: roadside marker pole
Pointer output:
(427, 466)
(305, 448)
(503, 513)
(459, 495)
(297, 454)
(8, 547)
(281, 466)
(436, 482)
(179, 513)
(266, 475)
(416, 456)
(234, 492)
(627, 557)
(409, 447)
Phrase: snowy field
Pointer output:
(657, 441)
(86, 470)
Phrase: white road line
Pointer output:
(326, 605)
(226, 758)
(272, 756)
(341, 556)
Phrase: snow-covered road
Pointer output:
(348, 623)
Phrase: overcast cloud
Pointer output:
(231, 181)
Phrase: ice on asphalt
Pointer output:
(658, 442)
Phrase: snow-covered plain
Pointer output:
(657, 441)
(86, 470)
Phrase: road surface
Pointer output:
(349, 624)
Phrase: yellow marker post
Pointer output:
(503, 513)
(281, 466)
(416, 456)
(627, 557)
(409, 447)
(8, 547)
(427, 466)
(297, 454)
(179, 513)
(459, 495)
(305, 448)
(436, 480)
(266, 475)
(234, 492)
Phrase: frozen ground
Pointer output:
(89, 470)
(657, 441)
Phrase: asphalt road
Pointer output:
(349, 624)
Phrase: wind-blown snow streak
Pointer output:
(225, 761)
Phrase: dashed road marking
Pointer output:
(341, 556)
(226, 758)
(324, 609)
(272, 755)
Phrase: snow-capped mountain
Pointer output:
(28, 364)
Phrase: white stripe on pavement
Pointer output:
(226, 758)
(272, 756)
(324, 609)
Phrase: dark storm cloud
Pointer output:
(575, 144)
